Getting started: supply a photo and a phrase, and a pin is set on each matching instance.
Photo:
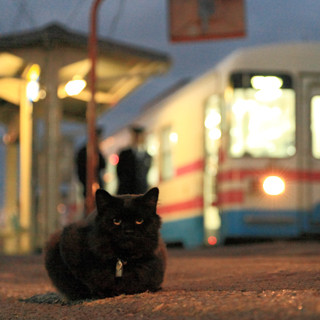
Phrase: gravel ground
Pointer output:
(277, 280)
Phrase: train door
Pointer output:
(310, 150)
(212, 137)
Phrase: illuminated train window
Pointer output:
(166, 161)
(315, 126)
(262, 116)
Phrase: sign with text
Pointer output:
(194, 20)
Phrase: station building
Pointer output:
(37, 70)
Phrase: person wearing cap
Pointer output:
(134, 164)
(81, 164)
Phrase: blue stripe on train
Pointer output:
(188, 231)
(245, 223)
(264, 223)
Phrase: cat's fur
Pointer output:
(81, 259)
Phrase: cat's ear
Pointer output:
(103, 200)
(151, 197)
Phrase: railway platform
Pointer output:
(270, 280)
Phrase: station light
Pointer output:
(33, 73)
(274, 185)
(33, 86)
(33, 89)
(75, 86)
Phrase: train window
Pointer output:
(212, 127)
(153, 149)
(315, 126)
(166, 162)
(262, 116)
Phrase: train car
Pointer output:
(236, 152)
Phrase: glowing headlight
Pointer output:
(273, 185)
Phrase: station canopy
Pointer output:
(62, 56)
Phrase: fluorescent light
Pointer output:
(33, 89)
(266, 82)
(75, 86)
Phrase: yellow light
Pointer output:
(75, 86)
(33, 73)
(266, 82)
(174, 137)
(273, 185)
(215, 134)
(33, 89)
(212, 120)
(268, 95)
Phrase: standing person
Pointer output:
(134, 164)
(81, 163)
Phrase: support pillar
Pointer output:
(52, 119)
(25, 171)
(10, 243)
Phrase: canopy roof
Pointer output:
(63, 56)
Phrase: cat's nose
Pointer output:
(128, 231)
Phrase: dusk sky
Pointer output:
(145, 23)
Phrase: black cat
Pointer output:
(115, 250)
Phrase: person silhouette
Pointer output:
(134, 164)
(81, 164)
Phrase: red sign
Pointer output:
(194, 20)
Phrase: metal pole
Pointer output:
(92, 157)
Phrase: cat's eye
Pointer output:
(117, 222)
(139, 221)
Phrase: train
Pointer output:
(236, 151)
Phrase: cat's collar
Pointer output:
(121, 262)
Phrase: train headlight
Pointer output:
(273, 185)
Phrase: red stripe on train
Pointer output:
(292, 175)
(230, 197)
(240, 174)
(226, 197)
(195, 203)
(191, 167)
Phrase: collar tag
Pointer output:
(119, 268)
